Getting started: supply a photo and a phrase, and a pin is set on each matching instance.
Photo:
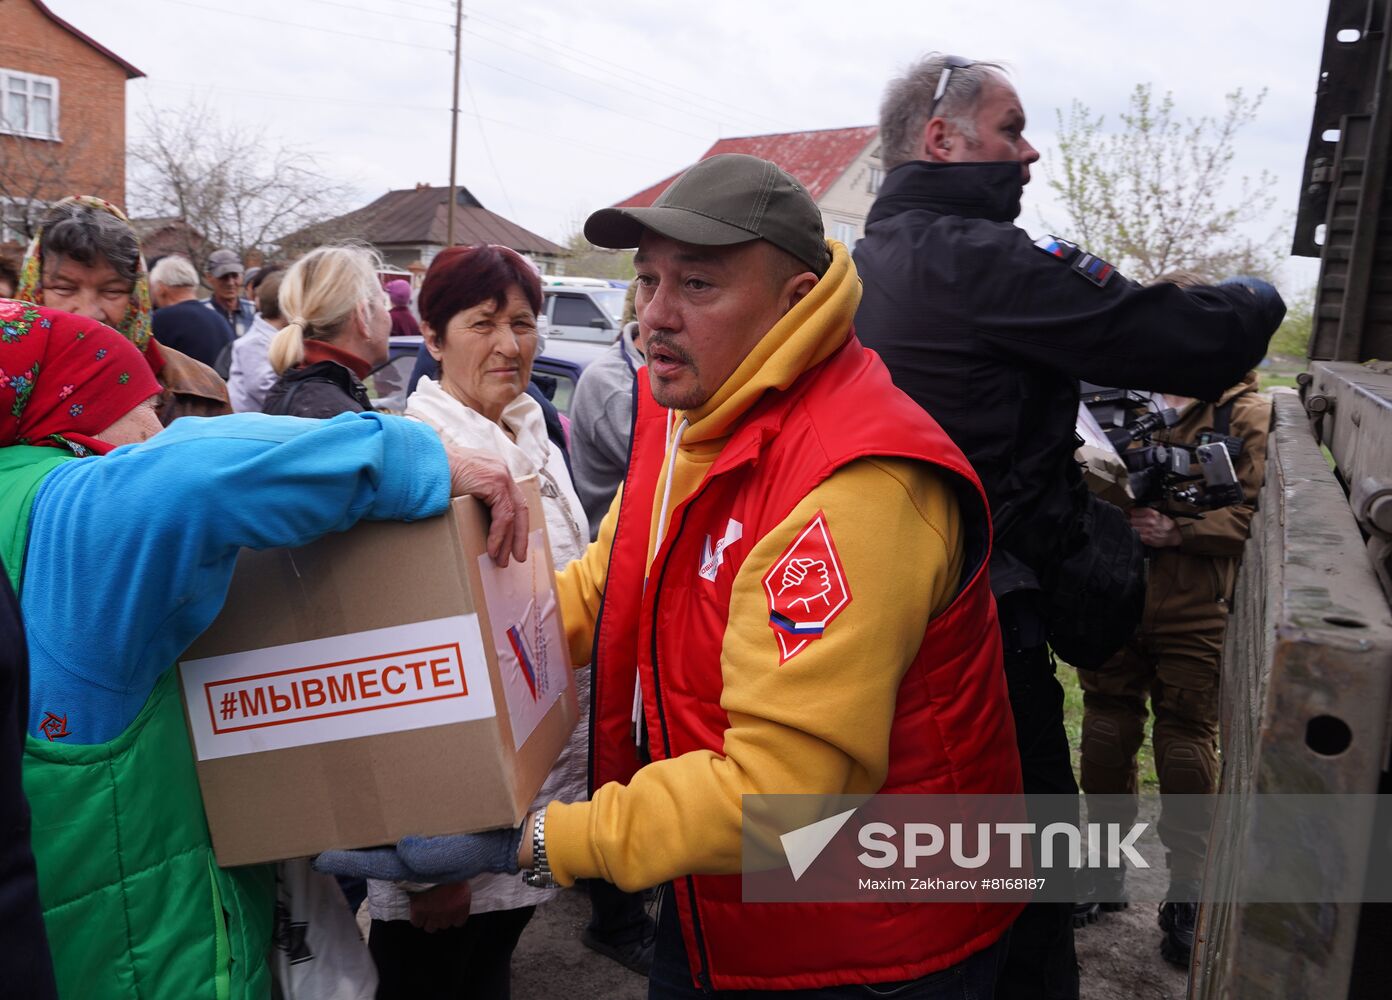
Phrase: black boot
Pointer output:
(1102, 890)
(1177, 921)
(620, 927)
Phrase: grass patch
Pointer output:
(1281, 369)
(1073, 725)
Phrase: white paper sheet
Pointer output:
(532, 654)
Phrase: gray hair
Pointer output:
(909, 99)
(88, 236)
(174, 272)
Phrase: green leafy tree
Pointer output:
(1292, 340)
(585, 260)
(1157, 195)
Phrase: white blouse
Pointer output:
(528, 453)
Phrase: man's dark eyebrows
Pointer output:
(711, 255)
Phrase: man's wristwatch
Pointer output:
(539, 875)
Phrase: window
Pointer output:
(17, 218)
(28, 104)
(574, 310)
(612, 302)
(844, 232)
(876, 179)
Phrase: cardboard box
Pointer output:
(385, 681)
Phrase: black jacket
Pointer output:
(323, 389)
(194, 329)
(990, 332)
(25, 967)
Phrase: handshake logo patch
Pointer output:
(806, 589)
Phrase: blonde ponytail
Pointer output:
(318, 295)
(287, 347)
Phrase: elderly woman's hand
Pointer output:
(441, 907)
(478, 474)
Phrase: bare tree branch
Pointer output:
(1157, 196)
(35, 172)
(233, 186)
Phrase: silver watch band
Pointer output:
(539, 875)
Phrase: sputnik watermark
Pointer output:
(925, 840)
(997, 848)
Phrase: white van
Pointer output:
(590, 312)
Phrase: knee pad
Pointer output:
(1109, 755)
(1102, 743)
(1185, 767)
(1111, 735)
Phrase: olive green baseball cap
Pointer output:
(727, 199)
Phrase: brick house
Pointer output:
(840, 167)
(164, 235)
(62, 116)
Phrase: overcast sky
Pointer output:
(572, 106)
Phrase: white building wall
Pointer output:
(847, 202)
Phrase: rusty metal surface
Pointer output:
(1345, 210)
(1307, 689)
(1347, 85)
(1355, 424)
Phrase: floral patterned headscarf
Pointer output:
(135, 325)
(64, 378)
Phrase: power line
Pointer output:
(496, 69)
(528, 34)
(609, 66)
(448, 6)
(586, 100)
(454, 124)
(303, 27)
(297, 98)
(487, 147)
(600, 80)
(383, 13)
(609, 151)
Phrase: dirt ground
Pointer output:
(550, 962)
(1119, 956)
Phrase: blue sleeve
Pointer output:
(130, 555)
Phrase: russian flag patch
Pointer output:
(1055, 247)
(1094, 269)
(1090, 266)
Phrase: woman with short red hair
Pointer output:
(479, 310)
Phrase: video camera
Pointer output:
(1165, 472)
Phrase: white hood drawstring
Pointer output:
(672, 445)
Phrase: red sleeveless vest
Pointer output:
(952, 729)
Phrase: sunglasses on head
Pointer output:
(949, 64)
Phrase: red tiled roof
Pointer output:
(131, 71)
(817, 159)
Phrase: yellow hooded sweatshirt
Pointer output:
(817, 724)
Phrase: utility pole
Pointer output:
(454, 124)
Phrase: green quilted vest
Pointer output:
(134, 902)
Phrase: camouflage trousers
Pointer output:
(1174, 662)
